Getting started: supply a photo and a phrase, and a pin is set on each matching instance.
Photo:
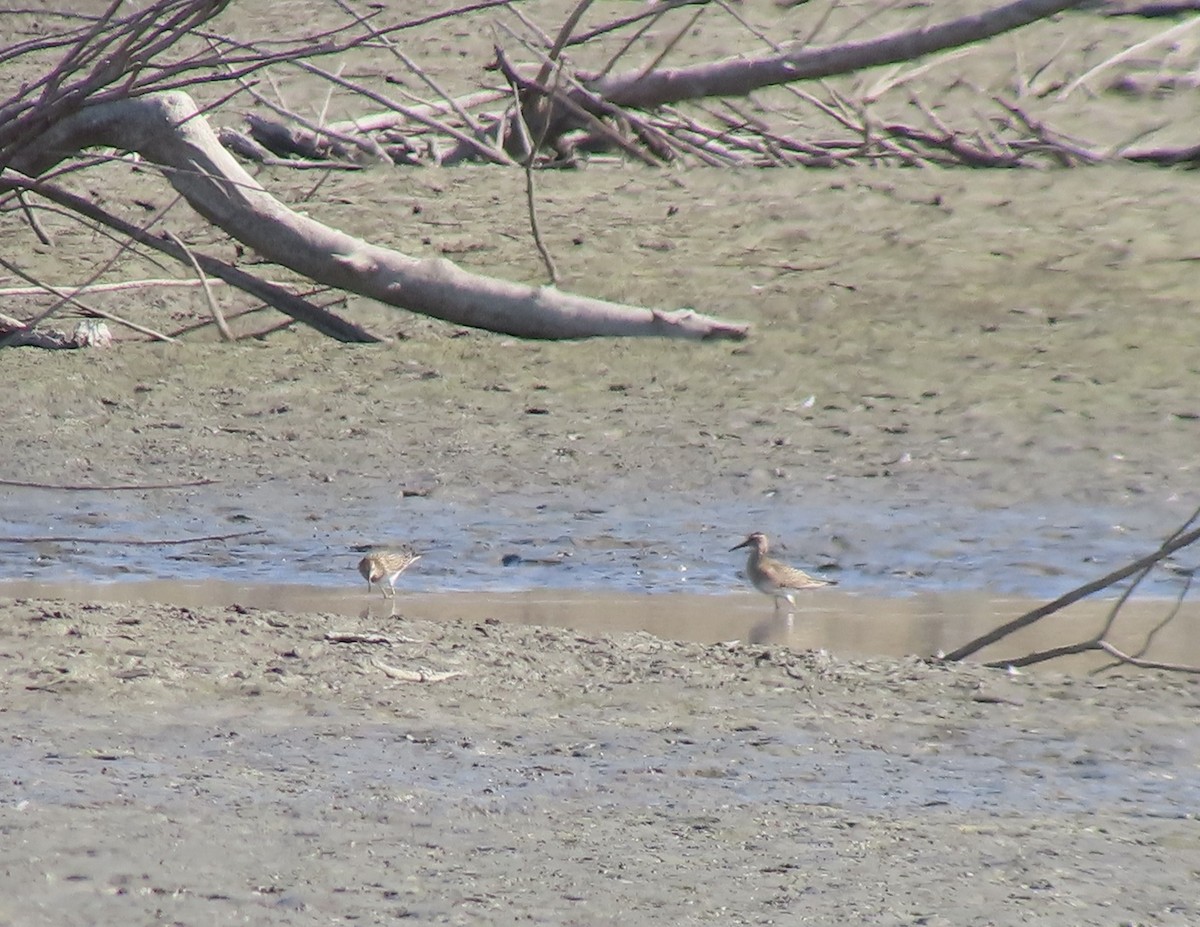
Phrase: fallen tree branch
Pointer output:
(1150, 10)
(167, 130)
(1153, 632)
(1166, 36)
(376, 122)
(571, 109)
(741, 74)
(92, 288)
(245, 146)
(960, 150)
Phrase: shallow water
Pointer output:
(912, 580)
(560, 540)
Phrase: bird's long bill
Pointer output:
(745, 543)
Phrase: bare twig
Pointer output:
(1153, 632)
(388, 120)
(416, 69)
(652, 12)
(1144, 663)
(1067, 152)
(655, 12)
(671, 43)
(488, 152)
(531, 149)
(218, 316)
(749, 27)
(242, 144)
(32, 219)
(121, 286)
(131, 542)
(1177, 541)
(1167, 35)
(579, 103)
(560, 41)
(118, 487)
(65, 298)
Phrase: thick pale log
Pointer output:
(168, 130)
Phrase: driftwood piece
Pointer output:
(288, 142)
(401, 674)
(168, 130)
(246, 147)
(89, 333)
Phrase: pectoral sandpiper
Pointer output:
(773, 578)
(386, 563)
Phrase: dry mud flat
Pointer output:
(164, 765)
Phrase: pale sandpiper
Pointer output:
(386, 563)
(773, 578)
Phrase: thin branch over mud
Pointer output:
(134, 542)
(112, 487)
(1181, 538)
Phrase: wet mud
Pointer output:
(963, 389)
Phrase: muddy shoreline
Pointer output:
(202, 764)
(960, 380)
